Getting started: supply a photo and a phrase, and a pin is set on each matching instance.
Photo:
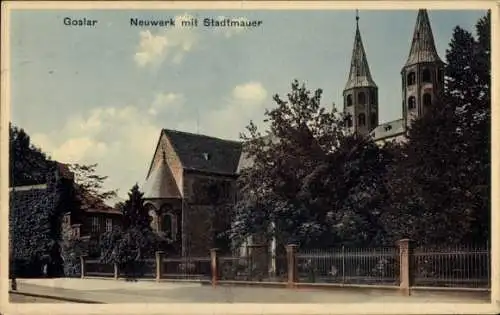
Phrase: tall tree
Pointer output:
(310, 181)
(27, 163)
(134, 212)
(440, 188)
(89, 188)
(135, 240)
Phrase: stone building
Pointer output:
(190, 189)
(190, 185)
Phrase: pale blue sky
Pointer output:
(102, 94)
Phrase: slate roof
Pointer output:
(389, 129)
(246, 161)
(161, 183)
(359, 73)
(206, 154)
(423, 48)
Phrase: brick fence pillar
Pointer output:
(291, 254)
(82, 267)
(405, 256)
(159, 265)
(214, 266)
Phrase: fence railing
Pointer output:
(401, 267)
(349, 266)
(452, 267)
(195, 268)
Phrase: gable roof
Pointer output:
(206, 154)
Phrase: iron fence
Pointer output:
(349, 266)
(194, 268)
(465, 267)
(281, 268)
(462, 266)
(96, 268)
(235, 268)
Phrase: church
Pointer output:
(190, 186)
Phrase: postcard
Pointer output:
(249, 157)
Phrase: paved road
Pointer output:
(112, 291)
(18, 298)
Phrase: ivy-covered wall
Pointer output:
(35, 227)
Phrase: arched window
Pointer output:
(373, 119)
(373, 97)
(411, 78)
(361, 98)
(427, 99)
(426, 76)
(361, 119)
(153, 216)
(440, 76)
(167, 224)
(411, 102)
(349, 121)
(349, 100)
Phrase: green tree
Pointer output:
(133, 242)
(440, 187)
(310, 182)
(27, 163)
(89, 187)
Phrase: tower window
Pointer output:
(349, 100)
(427, 99)
(349, 121)
(373, 97)
(411, 102)
(361, 98)
(373, 119)
(426, 75)
(440, 76)
(361, 119)
(410, 78)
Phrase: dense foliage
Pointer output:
(34, 214)
(27, 163)
(310, 181)
(313, 184)
(440, 188)
(133, 242)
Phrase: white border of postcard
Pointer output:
(203, 308)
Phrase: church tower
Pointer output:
(422, 75)
(361, 92)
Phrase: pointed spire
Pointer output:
(359, 74)
(423, 48)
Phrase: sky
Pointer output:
(102, 94)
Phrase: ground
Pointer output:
(18, 298)
(116, 291)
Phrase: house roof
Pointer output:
(388, 129)
(246, 161)
(206, 154)
(161, 183)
